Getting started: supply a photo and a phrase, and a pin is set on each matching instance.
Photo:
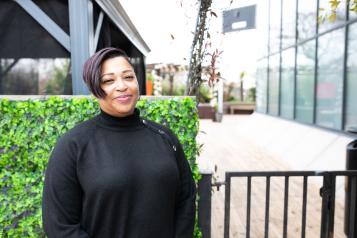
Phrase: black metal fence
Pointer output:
(327, 192)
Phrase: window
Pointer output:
(274, 84)
(28, 76)
(289, 23)
(326, 17)
(275, 14)
(287, 83)
(31, 59)
(262, 79)
(305, 82)
(307, 19)
(352, 14)
(262, 28)
(351, 88)
(330, 79)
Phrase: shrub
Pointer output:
(251, 94)
(28, 132)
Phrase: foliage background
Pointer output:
(28, 132)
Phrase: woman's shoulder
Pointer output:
(79, 132)
(160, 128)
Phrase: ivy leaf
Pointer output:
(28, 132)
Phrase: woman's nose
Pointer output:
(120, 85)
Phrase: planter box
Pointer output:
(206, 111)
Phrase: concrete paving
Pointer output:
(259, 142)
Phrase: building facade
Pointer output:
(308, 71)
(44, 43)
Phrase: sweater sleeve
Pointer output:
(186, 198)
(62, 194)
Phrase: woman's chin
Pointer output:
(124, 111)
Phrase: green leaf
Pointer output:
(28, 132)
(332, 17)
(334, 3)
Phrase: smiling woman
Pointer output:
(120, 85)
(117, 174)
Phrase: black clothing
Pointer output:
(118, 178)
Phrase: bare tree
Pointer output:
(198, 48)
(201, 34)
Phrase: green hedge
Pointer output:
(28, 132)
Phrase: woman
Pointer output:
(117, 175)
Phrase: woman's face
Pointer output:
(118, 81)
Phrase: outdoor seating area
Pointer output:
(212, 119)
(237, 144)
(207, 111)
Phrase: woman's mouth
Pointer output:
(123, 98)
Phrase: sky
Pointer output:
(167, 26)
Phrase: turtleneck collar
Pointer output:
(113, 122)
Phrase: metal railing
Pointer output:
(327, 192)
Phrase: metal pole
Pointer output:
(328, 206)
(227, 205)
(81, 38)
(204, 203)
(352, 232)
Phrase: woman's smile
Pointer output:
(124, 98)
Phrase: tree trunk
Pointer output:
(198, 50)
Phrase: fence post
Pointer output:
(351, 220)
(350, 196)
(327, 193)
(227, 205)
(204, 203)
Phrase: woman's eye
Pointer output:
(129, 77)
(107, 81)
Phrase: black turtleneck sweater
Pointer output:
(118, 178)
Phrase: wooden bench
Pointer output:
(242, 108)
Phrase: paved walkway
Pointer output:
(228, 147)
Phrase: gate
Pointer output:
(327, 192)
